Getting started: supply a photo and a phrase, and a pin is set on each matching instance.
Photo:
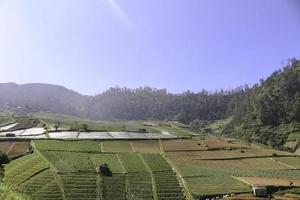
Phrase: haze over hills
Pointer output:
(270, 103)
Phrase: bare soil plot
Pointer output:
(297, 151)
(269, 181)
(146, 146)
(183, 145)
(14, 148)
(248, 164)
(220, 143)
(4, 146)
(227, 154)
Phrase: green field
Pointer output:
(71, 172)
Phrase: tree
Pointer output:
(3, 158)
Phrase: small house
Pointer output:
(259, 191)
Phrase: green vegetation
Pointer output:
(166, 182)
(72, 172)
(270, 111)
(117, 146)
(7, 193)
(71, 146)
(6, 118)
(3, 158)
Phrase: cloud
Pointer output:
(119, 12)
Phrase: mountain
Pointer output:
(40, 97)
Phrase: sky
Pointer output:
(92, 45)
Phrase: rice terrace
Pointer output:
(136, 160)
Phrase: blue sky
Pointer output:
(91, 45)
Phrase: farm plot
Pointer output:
(20, 170)
(110, 159)
(132, 163)
(70, 146)
(5, 146)
(213, 142)
(18, 148)
(79, 186)
(42, 186)
(146, 146)
(114, 187)
(6, 127)
(24, 123)
(289, 161)
(117, 146)
(69, 161)
(13, 148)
(183, 145)
(139, 186)
(203, 180)
(270, 181)
(167, 185)
(248, 164)
(226, 154)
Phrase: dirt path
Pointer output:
(11, 146)
(284, 164)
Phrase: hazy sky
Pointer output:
(91, 45)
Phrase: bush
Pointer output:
(3, 158)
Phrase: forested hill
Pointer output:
(274, 102)
(270, 112)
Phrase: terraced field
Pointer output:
(72, 173)
(209, 165)
(146, 169)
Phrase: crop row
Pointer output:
(42, 186)
(73, 146)
(24, 169)
(79, 186)
(139, 186)
(156, 162)
(132, 163)
(110, 159)
(69, 161)
(167, 186)
(114, 187)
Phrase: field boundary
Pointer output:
(55, 172)
(184, 185)
(154, 189)
(247, 157)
